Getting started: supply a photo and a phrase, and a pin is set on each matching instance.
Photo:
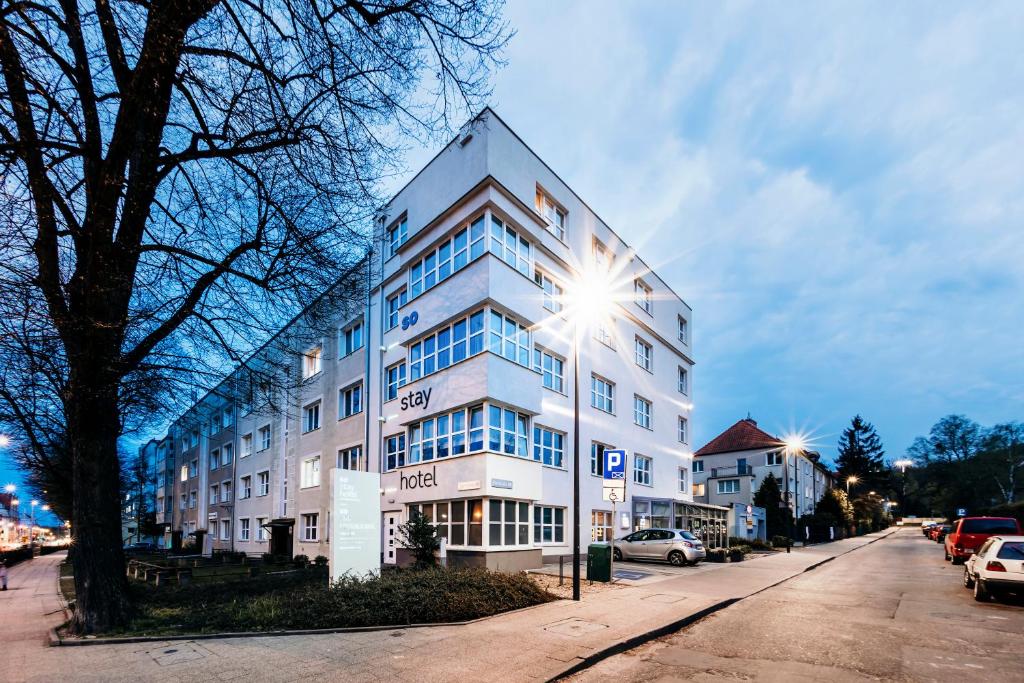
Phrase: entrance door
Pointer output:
(390, 545)
(281, 532)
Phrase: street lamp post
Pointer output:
(793, 444)
(32, 527)
(576, 462)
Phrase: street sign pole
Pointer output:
(614, 476)
(611, 573)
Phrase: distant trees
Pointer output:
(861, 455)
(961, 464)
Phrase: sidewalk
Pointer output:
(530, 645)
(29, 608)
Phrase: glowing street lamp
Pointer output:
(5, 441)
(903, 465)
(852, 479)
(793, 443)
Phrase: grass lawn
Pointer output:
(268, 603)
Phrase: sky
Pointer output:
(836, 189)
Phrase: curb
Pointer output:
(55, 639)
(678, 625)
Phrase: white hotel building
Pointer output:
(455, 383)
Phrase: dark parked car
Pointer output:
(942, 531)
(144, 547)
(970, 532)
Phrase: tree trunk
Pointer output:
(101, 587)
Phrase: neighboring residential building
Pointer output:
(454, 381)
(729, 469)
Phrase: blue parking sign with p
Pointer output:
(615, 464)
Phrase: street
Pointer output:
(892, 610)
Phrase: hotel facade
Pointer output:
(454, 380)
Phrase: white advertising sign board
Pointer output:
(355, 523)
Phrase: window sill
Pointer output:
(310, 486)
(310, 431)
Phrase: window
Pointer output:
(552, 213)
(684, 430)
(548, 524)
(311, 417)
(350, 401)
(181, 503)
(548, 446)
(227, 452)
(192, 498)
(350, 458)
(214, 494)
(603, 334)
(243, 529)
(184, 472)
(684, 381)
(728, 485)
(451, 434)
(225, 529)
(193, 468)
(684, 330)
(264, 438)
(508, 522)
(597, 458)
(226, 416)
(436, 513)
(551, 368)
(551, 292)
(642, 412)
(683, 476)
(509, 246)
(467, 518)
(449, 345)
(225, 492)
(246, 446)
(698, 490)
(643, 296)
(601, 523)
(394, 451)
(394, 303)
(396, 380)
(214, 458)
(311, 472)
(245, 487)
(507, 431)
(602, 394)
(311, 527)
(509, 339)
(311, 362)
(350, 339)
(644, 355)
(194, 439)
(261, 532)
(263, 483)
(697, 465)
(449, 257)
(396, 235)
(602, 257)
(773, 458)
(641, 470)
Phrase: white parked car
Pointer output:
(673, 545)
(997, 567)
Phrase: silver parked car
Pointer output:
(672, 545)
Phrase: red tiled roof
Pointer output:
(743, 436)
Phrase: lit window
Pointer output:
(311, 527)
(644, 355)
(643, 295)
(601, 526)
(396, 236)
(184, 472)
(311, 417)
(548, 524)
(396, 380)
(311, 472)
(684, 430)
(551, 368)
(553, 214)
(552, 294)
(548, 446)
(602, 394)
(728, 485)
(510, 246)
(642, 470)
(641, 412)
(350, 401)
(311, 362)
(350, 340)
(350, 458)
(698, 490)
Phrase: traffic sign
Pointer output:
(961, 512)
(615, 465)
(614, 494)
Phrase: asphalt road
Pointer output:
(892, 610)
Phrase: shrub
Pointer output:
(320, 561)
(780, 541)
(300, 560)
(717, 555)
(420, 537)
(737, 553)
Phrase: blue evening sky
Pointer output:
(837, 189)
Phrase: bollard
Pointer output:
(561, 569)
(184, 577)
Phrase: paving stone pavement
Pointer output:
(529, 645)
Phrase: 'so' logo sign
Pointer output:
(410, 320)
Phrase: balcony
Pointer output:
(732, 471)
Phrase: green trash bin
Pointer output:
(599, 562)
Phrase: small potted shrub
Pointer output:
(300, 560)
(717, 555)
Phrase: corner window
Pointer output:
(510, 246)
(449, 257)
(455, 433)
(509, 338)
(449, 345)
(508, 522)
(553, 214)
(642, 470)
(507, 431)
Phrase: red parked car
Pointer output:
(970, 532)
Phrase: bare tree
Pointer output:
(1002, 454)
(180, 177)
